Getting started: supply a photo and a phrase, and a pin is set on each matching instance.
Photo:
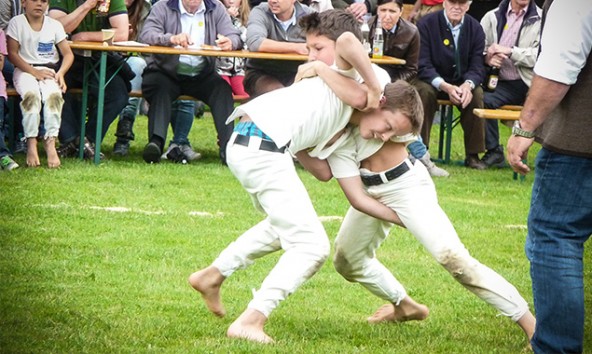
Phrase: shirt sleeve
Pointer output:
(563, 42)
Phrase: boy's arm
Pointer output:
(356, 195)
(67, 60)
(317, 167)
(19, 62)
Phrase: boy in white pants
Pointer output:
(33, 40)
(305, 115)
(389, 177)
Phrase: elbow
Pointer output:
(325, 176)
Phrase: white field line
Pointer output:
(119, 209)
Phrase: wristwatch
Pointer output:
(471, 84)
(518, 131)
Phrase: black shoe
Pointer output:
(89, 150)
(494, 157)
(68, 150)
(200, 109)
(124, 129)
(176, 155)
(152, 153)
(121, 148)
(472, 161)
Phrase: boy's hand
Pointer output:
(59, 78)
(43, 74)
(373, 99)
(308, 70)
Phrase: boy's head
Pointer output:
(322, 30)
(36, 8)
(402, 97)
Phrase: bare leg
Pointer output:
(53, 160)
(249, 326)
(32, 156)
(208, 282)
(407, 310)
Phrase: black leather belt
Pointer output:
(375, 180)
(266, 145)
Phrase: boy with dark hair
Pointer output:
(256, 156)
(371, 164)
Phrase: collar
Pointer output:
(291, 21)
(518, 13)
(201, 8)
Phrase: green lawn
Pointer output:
(95, 259)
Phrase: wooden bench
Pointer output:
(448, 122)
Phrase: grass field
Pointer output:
(95, 259)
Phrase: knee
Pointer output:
(343, 265)
(55, 102)
(31, 102)
(460, 265)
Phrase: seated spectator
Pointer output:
(33, 44)
(512, 34)
(82, 22)
(6, 161)
(401, 40)
(232, 69)
(166, 77)
(274, 30)
(451, 68)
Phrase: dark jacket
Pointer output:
(164, 22)
(437, 50)
(403, 44)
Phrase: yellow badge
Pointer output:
(446, 42)
(200, 24)
(506, 27)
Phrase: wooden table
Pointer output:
(88, 47)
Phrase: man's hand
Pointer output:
(466, 94)
(517, 152)
(182, 39)
(373, 99)
(358, 9)
(224, 42)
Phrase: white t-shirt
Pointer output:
(348, 151)
(306, 114)
(37, 48)
(568, 45)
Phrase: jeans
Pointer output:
(116, 97)
(182, 120)
(137, 64)
(3, 149)
(559, 223)
(507, 92)
(417, 148)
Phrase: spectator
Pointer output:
(512, 34)
(274, 29)
(6, 161)
(451, 67)
(232, 69)
(401, 40)
(557, 114)
(424, 7)
(33, 43)
(9, 9)
(167, 76)
(82, 22)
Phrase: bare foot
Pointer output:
(32, 156)
(407, 310)
(208, 282)
(249, 326)
(53, 159)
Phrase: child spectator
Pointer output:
(6, 161)
(38, 75)
(232, 69)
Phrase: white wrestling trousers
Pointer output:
(33, 93)
(291, 224)
(413, 197)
